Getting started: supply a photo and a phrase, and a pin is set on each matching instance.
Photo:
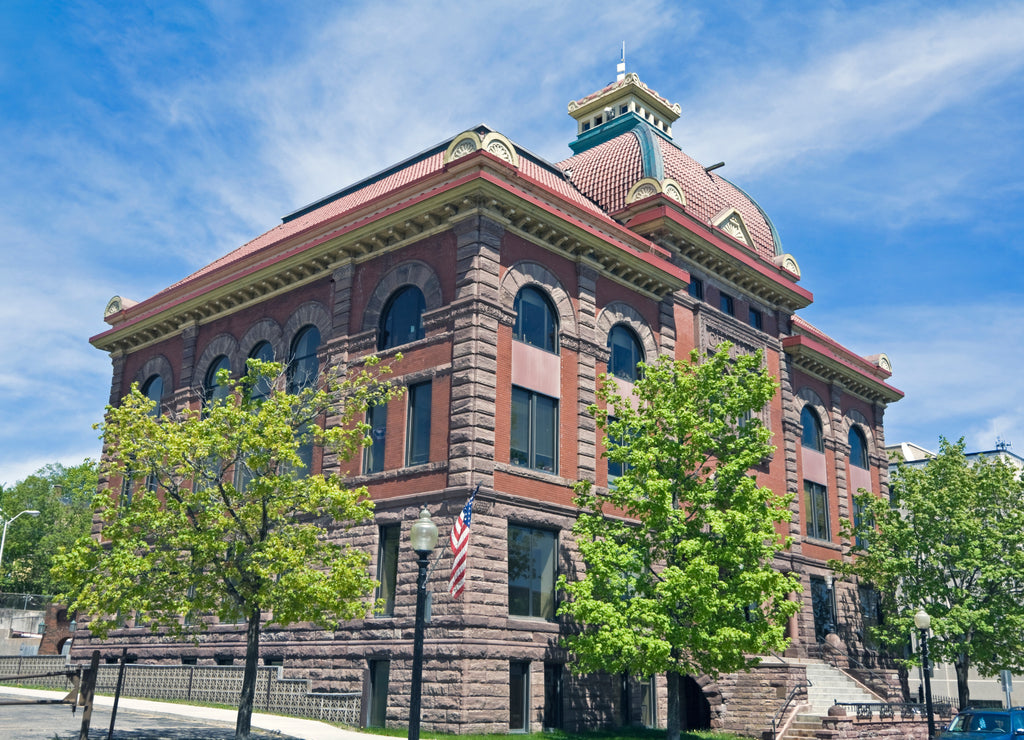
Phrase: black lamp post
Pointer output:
(422, 537)
(922, 621)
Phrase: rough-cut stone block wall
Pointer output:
(848, 728)
(745, 703)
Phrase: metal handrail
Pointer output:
(789, 700)
(874, 675)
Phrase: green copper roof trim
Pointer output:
(619, 125)
(650, 152)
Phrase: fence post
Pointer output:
(117, 692)
(191, 673)
(88, 693)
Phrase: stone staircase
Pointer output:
(828, 685)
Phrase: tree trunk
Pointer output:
(672, 723)
(252, 653)
(904, 676)
(963, 691)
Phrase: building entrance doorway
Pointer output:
(694, 708)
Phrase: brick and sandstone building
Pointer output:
(510, 284)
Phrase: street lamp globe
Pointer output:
(423, 534)
(922, 620)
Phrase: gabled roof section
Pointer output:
(817, 354)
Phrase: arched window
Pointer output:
(812, 438)
(858, 448)
(153, 389)
(263, 352)
(536, 320)
(213, 392)
(401, 321)
(303, 368)
(303, 364)
(626, 353)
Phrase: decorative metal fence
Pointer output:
(905, 710)
(202, 684)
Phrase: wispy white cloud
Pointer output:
(175, 142)
(860, 91)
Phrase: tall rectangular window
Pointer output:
(726, 304)
(379, 675)
(417, 430)
(816, 510)
(860, 518)
(373, 456)
(615, 469)
(696, 288)
(534, 431)
(518, 696)
(755, 319)
(387, 567)
(531, 572)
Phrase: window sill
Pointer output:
(532, 624)
(532, 474)
(385, 476)
(822, 543)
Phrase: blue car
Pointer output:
(991, 724)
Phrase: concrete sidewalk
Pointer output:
(288, 727)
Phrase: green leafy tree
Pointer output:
(216, 515)
(951, 541)
(63, 498)
(679, 549)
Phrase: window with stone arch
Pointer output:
(264, 352)
(625, 353)
(401, 321)
(214, 392)
(303, 363)
(812, 437)
(536, 319)
(858, 448)
(153, 389)
(303, 370)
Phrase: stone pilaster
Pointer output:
(841, 451)
(189, 336)
(667, 324)
(117, 359)
(341, 304)
(879, 457)
(587, 380)
(790, 424)
(475, 317)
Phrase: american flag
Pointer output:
(460, 546)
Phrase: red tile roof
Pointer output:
(606, 172)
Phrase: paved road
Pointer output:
(145, 720)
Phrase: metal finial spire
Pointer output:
(620, 70)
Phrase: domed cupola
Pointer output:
(625, 161)
(624, 105)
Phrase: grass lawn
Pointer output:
(625, 733)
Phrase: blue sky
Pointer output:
(141, 140)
